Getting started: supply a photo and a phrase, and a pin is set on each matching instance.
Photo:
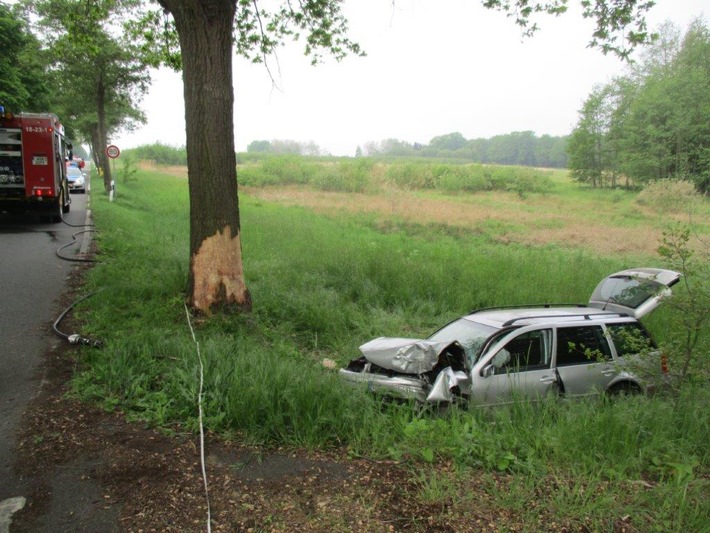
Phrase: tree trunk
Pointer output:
(216, 278)
(101, 130)
(95, 145)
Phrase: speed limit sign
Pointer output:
(112, 151)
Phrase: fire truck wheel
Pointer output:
(59, 207)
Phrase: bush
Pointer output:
(161, 154)
(346, 176)
(688, 348)
(411, 176)
(670, 196)
(455, 178)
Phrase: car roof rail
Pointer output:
(589, 316)
(525, 306)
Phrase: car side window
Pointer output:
(529, 351)
(630, 339)
(582, 346)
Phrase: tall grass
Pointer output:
(321, 287)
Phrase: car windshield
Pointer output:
(471, 335)
(73, 172)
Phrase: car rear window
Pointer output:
(630, 339)
(626, 290)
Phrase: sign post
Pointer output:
(112, 152)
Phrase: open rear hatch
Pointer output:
(635, 292)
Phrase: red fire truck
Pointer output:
(32, 170)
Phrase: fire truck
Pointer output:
(33, 176)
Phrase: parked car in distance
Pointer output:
(493, 356)
(76, 179)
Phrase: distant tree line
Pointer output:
(518, 148)
(285, 147)
(653, 123)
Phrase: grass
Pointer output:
(323, 283)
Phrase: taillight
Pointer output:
(41, 192)
(664, 364)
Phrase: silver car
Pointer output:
(495, 355)
(76, 179)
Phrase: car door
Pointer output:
(634, 292)
(520, 367)
(583, 360)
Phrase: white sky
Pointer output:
(432, 68)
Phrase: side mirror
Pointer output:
(488, 371)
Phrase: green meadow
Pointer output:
(331, 267)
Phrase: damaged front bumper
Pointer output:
(425, 371)
(402, 387)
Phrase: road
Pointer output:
(32, 279)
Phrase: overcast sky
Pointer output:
(432, 68)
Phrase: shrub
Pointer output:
(128, 168)
(411, 176)
(670, 196)
(455, 178)
(688, 349)
(346, 176)
(159, 153)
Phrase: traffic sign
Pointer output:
(112, 151)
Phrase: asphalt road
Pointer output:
(32, 279)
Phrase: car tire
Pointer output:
(625, 388)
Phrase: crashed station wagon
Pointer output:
(496, 355)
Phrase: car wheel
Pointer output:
(625, 388)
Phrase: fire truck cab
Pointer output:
(32, 169)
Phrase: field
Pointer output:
(329, 270)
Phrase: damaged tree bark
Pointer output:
(216, 278)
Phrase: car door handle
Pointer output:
(548, 379)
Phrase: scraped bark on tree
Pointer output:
(216, 279)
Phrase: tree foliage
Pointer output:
(620, 24)
(654, 122)
(24, 84)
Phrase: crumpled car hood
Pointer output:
(408, 356)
